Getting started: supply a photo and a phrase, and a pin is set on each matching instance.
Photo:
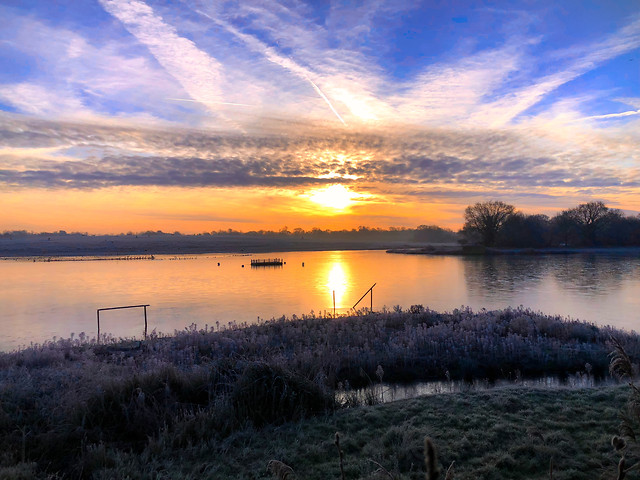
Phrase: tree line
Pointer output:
(593, 224)
(422, 233)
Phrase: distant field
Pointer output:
(119, 245)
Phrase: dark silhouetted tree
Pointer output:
(565, 230)
(620, 230)
(591, 218)
(521, 231)
(486, 219)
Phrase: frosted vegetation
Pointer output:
(69, 406)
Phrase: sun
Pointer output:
(337, 197)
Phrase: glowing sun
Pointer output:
(338, 197)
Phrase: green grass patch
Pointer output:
(512, 433)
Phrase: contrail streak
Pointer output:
(614, 115)
(324, 97)
(210, 101)
(273, 57)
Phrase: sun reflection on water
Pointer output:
(337, 282)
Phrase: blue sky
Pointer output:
(429, 105)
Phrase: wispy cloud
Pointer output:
(35, 99)
(277, 58)
(198, 73)
(578, 60)
(85, 78)
(271, 55)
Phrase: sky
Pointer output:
(195, 116)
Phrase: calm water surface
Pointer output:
(40, 300)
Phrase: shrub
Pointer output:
(270, 394)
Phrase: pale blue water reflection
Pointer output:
(41, 300)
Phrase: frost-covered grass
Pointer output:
(418, 344)
(506, 434)
(80, 410)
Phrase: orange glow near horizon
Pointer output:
(196, 210)
(117, 210)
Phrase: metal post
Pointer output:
(119, 308)
(334, 304)
(371, 309)
(365, 294)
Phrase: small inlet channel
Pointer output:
(390, 392)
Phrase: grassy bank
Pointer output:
(509, 434)
(513, 434)
(210, 397)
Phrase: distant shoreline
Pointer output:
(478, 250)
(146, 247)
(56, 246)
(146, 251)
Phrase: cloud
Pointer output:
(577, 61)
(290, 62)
(634, 102)
(271, 55)
(452, 93)
(38, 100)
(81, 78)
(198, 73)
(422, 159)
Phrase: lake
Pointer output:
(42, 300)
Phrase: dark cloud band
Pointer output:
(199, 159)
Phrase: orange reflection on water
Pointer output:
(338, 282)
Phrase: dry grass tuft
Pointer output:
(431, 460)
(618, 443)
(280, 470)
(449, 474)
(620, 365)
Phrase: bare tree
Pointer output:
(486, 219)
(591, 218)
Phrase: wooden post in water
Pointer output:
(334, 304)
(365, 294)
